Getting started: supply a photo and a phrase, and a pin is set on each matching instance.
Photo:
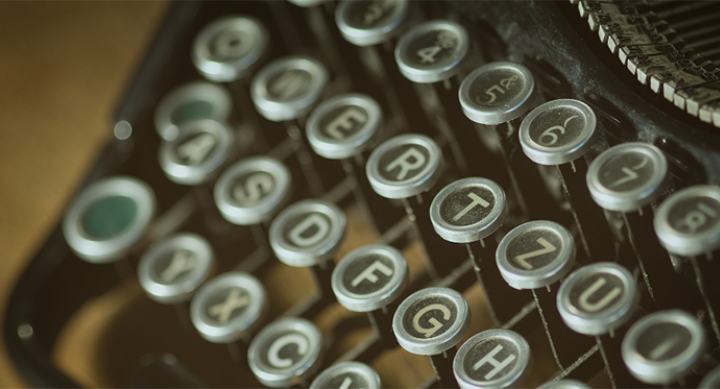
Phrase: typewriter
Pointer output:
(388, 193)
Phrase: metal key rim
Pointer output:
(633, 200)
(612, 318)
(176, 292)
(386, 295)
(476, 231)
(684, 243)
(225, 71)
(519, 372)
(549, 156)
(111, 249)
(292, 255)
(373, 36)
(354, 367)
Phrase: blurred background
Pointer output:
(63, 68)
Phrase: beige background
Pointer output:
(63, 69)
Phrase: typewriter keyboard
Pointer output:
(373, 194)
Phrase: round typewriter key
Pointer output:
(190, 102)
(286, 88)
(108, 217)
(228, 46)
(228, 306)
(497, 93)
(370, 278)
(663, 347)
(285, 352)
(564, 384)
(688, 222)
(468, 210)
(493, 359)
(627, 177)
(367, 23)
(307, 233)
(347, 375)
(172, 269)
(431, 321)
(597, 298)
(251, 190)
(342, 127)
(432, 51)
(404, 166)
(200, 148)
(536, 254)
(559, 131)
(711, 379)
(306, 3)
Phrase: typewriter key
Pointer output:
(564, 384)
(342, 127)
(367, 23)
(307, 233)
(535, 255)
(200, 148)
(597, 298)
(432, 51)
(403, 167)
(469, 211)
(663, 347)
(627, 178)
(251, 191)
(431, 322)
(559, 133)
(347, 375)
(497, 93)
(227, 47)
(228, 306)
(286, 88)
(307, 3)
(688, 222)
(711, 379)
(493, 359)
(190, 102)
(368, 280)
(108, 217)
(172, 269)
(285, 353)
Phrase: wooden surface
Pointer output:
(63, 69)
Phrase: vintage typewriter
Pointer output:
(481, 194)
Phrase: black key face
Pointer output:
(289, 84)
(227, 304)
(430, 317)
(435, 49)
(558, 127)
(663, 341)
(231, 44)
(307, 230)
(695, 215)
(251, 188)
(596, 293)
(368, 274)
(193, 109)
(343, 122)
(404, 162)
(499, 87)
(368, 15)
(534, 249)
(627, 172)
(285, 350)
(174, 267)
(467, 205)
(491, 359)
(196, 149)
(346, 380)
